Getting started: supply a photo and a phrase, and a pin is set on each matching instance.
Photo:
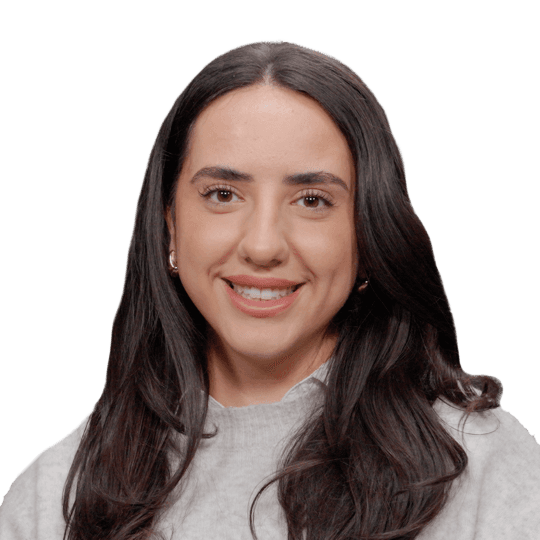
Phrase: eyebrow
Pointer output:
(307, 178)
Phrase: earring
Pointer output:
(173, 269)
(365, 283)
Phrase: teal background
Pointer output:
(86, 87)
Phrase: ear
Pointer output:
(172, 230)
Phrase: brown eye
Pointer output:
(312, 200)
(222, 195)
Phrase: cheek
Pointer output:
(201, 240)
(328, 251)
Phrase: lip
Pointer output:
(258, 308)
(261, 283)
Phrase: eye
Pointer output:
(223, 194)
(316, 196)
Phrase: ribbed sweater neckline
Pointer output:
(263, 423)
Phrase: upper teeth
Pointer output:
(262, 294)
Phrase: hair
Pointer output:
(376, 448)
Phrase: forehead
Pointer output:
(265, 126)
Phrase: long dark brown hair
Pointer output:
(376, 449)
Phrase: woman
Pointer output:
(284, 361)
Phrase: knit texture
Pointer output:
(496, 498)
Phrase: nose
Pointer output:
(264, 242)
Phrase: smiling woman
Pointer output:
(269, 144)
(284, 342)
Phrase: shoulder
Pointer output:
(36, 495)
(498, 495)
(490, 437)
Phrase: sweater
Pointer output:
(497, 496)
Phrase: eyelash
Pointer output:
(208, 191)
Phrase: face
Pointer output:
(248, 203)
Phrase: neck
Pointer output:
(237, 380)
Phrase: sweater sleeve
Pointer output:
(32, 508)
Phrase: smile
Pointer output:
(261, 303)
(252, 293)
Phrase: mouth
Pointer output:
(294, 288)
(262, 303)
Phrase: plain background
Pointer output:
(85, 89)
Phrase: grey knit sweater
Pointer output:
(496, 498)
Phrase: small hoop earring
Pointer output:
(173, 269)
(365, 283)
